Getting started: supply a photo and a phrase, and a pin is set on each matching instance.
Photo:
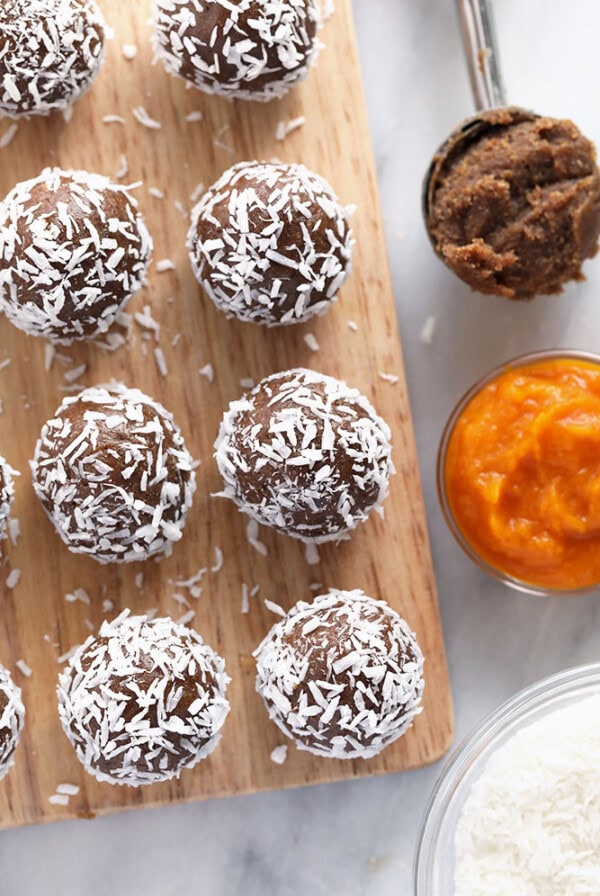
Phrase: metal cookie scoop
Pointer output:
(511, 200)
(481, 51)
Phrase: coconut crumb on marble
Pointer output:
(428, 330)
(141, 115)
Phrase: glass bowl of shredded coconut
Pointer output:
(516, 811)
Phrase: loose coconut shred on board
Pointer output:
(12, 717)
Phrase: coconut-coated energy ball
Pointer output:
(342, 676)
(73, 250)
(306, 454)
(112, 472)
(249, 49)
(12, 718)
(143, 700)
(7, 493)
(50, 53)
(270, 243)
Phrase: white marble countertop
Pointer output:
(358, 838)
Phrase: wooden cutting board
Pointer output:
(387, 558)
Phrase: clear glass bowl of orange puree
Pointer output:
(518, 472)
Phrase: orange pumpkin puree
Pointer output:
(522, 473)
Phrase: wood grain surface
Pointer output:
(387, 558)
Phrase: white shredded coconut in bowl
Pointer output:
(530, 825)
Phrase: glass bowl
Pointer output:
(435, 856)
(495, 572)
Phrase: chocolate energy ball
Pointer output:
(143, 700)
(270, 243)
(50, 53)
(250, 49)
(516, 210)
(342, 676)
(306, 454)
(7, 493)
(114, 475)
(73, 251)
(12, 718)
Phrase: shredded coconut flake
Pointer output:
(130, 51)
(389, 377)
(13, 579)
(8, 135)
(279, 754)
(141, 115)
(23, 668)
(68, 789)
(208, 371)
(59, 799)
(165, 264)
(311, 341)
(428, 330)
(160, 361)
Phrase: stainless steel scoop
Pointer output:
(481, 51)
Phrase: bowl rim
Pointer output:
(512, 364)
(475, 745)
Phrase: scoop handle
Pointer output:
(481, 51)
